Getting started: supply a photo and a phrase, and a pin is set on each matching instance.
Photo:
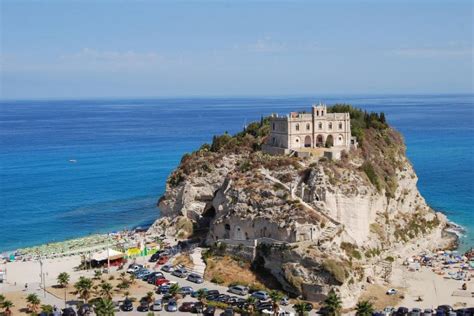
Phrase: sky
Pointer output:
(87, 49)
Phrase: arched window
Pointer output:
(322, 113)
(227, 227)
(273, 126)
(308, 127)
(330, 126)
(297, 127)
(340, 125)
(320, 125)
(317, 113)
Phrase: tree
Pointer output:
(33, 302)
(251, 304)
(63, 279)
(333, 304)
(174, 289)
(106, 290)
(2, 299)
(201, 295)
(133, 279)
(97, 274)
(276, 297)
(300, 308)
(364, 308)
(47, 309)
(105, 307)
(84, 288)
(149, 298)
(6, 304)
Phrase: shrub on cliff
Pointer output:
(336, 269)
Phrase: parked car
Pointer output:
(163, 289)
(162, 260)
(70, 312)
(402, 311)
(260, 295)
(415, 312)
(172, 306)
(387, 311)
(134, 267)
(209, 311)
(239, 290)
(428, 312)
(127, 305)
(187, 307)
(167, 268)
(161, 282)
(151, 279)
(224, 298)
(213, 292)
(84, 310)
(143, 307)
(463, 312)
(391, 292)
(196, 293)
(185, 290)
(445, 308)
(157, 306)
(154, 257)
(197, 308)
(166, 298)
(265, 306)
(229, 311)
(196, 278)
(180, 273)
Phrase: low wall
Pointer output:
(275, 150)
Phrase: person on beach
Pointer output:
(26, 287)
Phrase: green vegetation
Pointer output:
(84, 288)
(370, 172)
(351, 250)
(5, 305)
(33, 303)
(337, 269)
(104, 307)
(364, 308)
(333, 304)
(415, 225)
(63, 279)
(300, 308)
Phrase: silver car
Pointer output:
(157, 306)
(239, 290)
(180, 273)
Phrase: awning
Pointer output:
(110, 254)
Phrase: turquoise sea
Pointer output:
(125, 149)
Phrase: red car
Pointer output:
(161, 282)
(162, 260)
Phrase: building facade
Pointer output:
(310, 130)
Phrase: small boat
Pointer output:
(72, 160)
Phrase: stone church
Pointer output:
(298, 131)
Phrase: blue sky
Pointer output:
(79, 49)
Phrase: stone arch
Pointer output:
(307, 141)
(319, 140)
(329, 141)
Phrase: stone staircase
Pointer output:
(329, 232)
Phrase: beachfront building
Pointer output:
(300, 131)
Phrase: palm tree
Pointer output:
(201, 295)
(174, 288)
(364, 308)
(333, 304)
(300, 308)
(149, 298)
(251, 307)
(47, 309)
(63, 279)
(97, 274)
(33, 302)
(127, 293)
(2, 299)
(106, 290)
(84, 288)
(105, 307)
(276, 297)
(6, 304)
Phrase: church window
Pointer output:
(320, 125)
(330, 125)
(227, 227)
(297, 127)
(273, 126)
(308, 127)
(340, 125)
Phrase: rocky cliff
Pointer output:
(335, 218)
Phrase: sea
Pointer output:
(70, 168)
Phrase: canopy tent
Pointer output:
(107, 254)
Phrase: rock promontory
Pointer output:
(315, 224)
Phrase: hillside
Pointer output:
(316, 224)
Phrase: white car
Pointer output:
(391, 292)
(134, 268)
(157, 306)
